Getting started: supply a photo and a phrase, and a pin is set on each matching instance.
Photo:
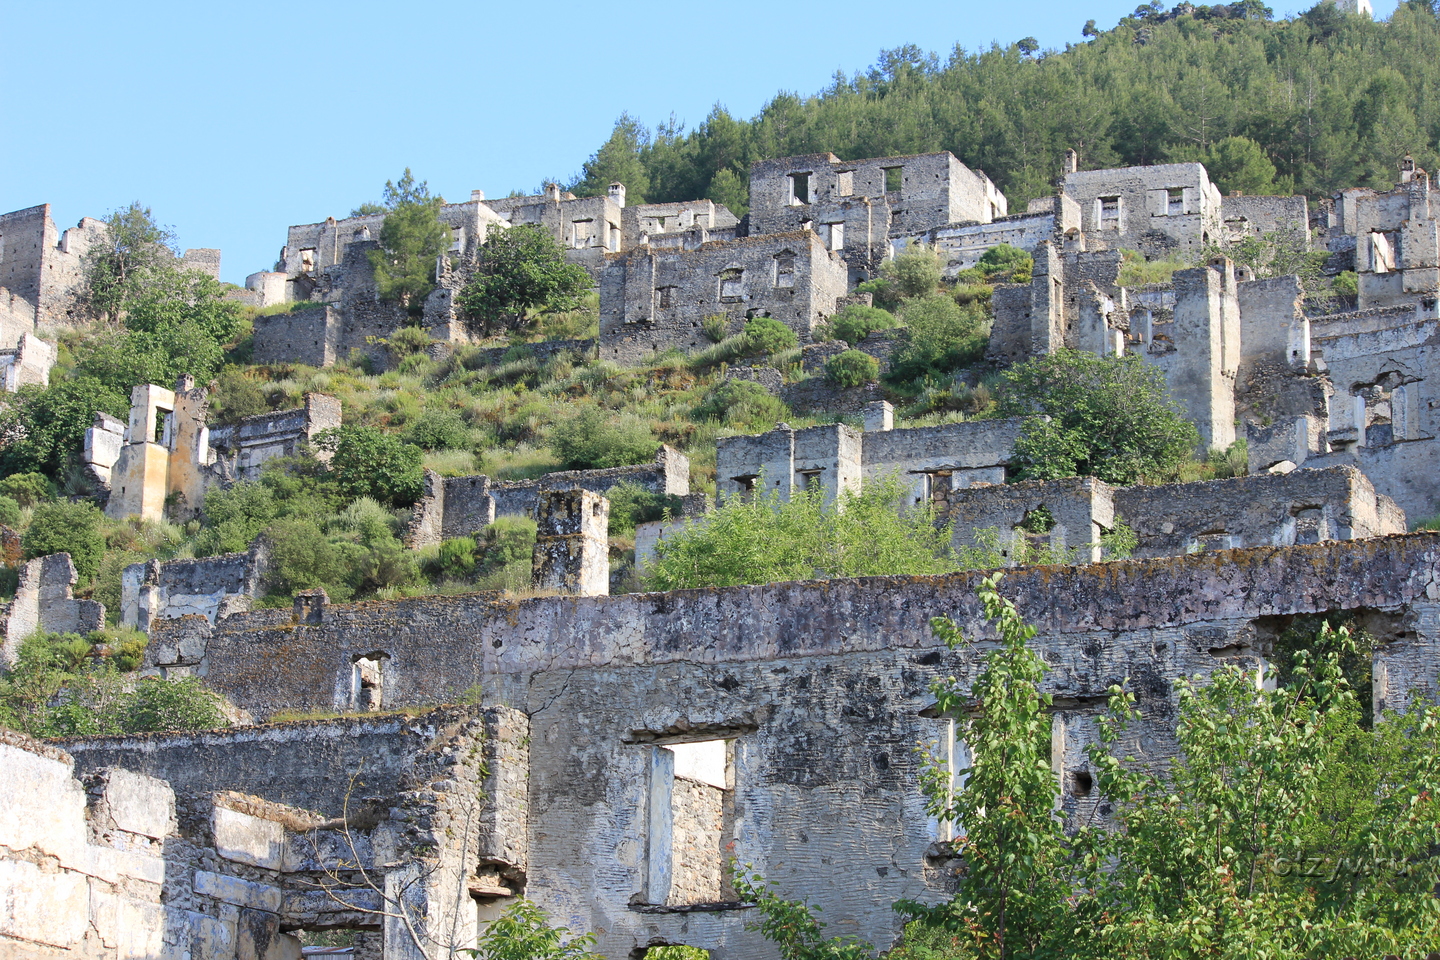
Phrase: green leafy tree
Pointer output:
(941, 336)
(44, 427)
(916, 271)
(1108, 417)
(763, 539)
(741, 404)
(367, 462)
(65, 527)
(411, 241)
(161, 705)
(521, 269)
(118, 268)
(28, 489)
(1239, 164)
(594, 438)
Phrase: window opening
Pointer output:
(307, 259)
(808, 479)
(583, 232)
(162, 426)
(664, 298)
(785, 270)
(731, 288)
(1109, 213)
(367, 683)
(691, 823)
(746, 485)
(799, 189)
(894, 176)
(845, 183)
(1176, 203)
(834, 236)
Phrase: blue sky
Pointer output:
(234, 120)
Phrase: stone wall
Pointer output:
(820, 692)
(44, 602)
(311, 336)
(1253, 216)
(1304, 506)
(1163, 210)
(212, 588)
(653, 299)
(27, 364)
(243, 448)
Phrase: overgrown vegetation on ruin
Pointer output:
(1284, 828)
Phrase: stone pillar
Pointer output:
(572, 542)
(879, 416)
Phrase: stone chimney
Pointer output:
(552, 192)
(617, 193)
(477, 195)
(572, 542)
(1072, 161)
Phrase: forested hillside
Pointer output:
(1333, 101)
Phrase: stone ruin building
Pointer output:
(625, 748)
(164, 460)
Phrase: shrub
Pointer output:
(915, 271)
(456, 559)
(27, 489)
(631, 505)
(9, 512)
(159, 705)
(301, 558)
(713, 328)
(741, 404)
(852, 369)
(767, 335)
(594, 438)
(439, 430)
(1109, 417)
(857, 321)
(1003, 259)
(72, 528)
(942, 336)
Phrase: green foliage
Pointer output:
(766, 335)
(1334, 101)
(617, 161)
(742, 404)
(442, 429)
(1347, 284)
(942, 337)
(632, 504)
(792, 925)
(158, 705)
(520, 269)
(64, 527)
(27, 489)
(506, 550)
(1278, 253)
(46, 425)
(237, 396)
(117, 268)
(594, 438)
(915, 272)
(9, 511)
(366, 462)
(852, 369)
(1014, 890)
(303, 558)
(456, 559)
(763, 539)
(411, 240)
(1239, 164)
(1136, 271)
(1109, 417)
(60, 686)
(523, 932)
(713, 328)
(1003, 260)
(234, 516)
(857, 321)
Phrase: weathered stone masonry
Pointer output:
(818, 691)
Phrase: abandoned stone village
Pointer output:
(623, 749)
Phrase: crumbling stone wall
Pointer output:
(820, 692)
(572, 538)
(28, 363)
(587, 227)
(312, 336)
(1253, 216)
(870, 201)
(44, 602)
(1163, 210)
(243, 447)
(652, 299)
(212, 588)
